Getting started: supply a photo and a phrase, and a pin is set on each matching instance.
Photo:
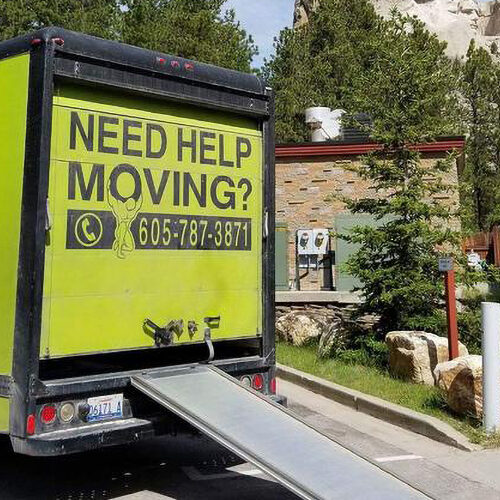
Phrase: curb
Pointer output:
(419, 423)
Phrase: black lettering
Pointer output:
(127, 137)
(103, 134)
(186, 144)
(222, 161)
(204, 147)
(86, 190)
(156, 194)
(87, 137)
(150, 127)
(242, 152)
(230, 197)
(125, 168)
(177, 187)
(190, 185)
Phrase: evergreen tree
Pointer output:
(406, 92)
(95, 17)
(480, 188)
(317, 64)
(195, 29)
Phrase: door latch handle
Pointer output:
(211, 322)
(163, 335)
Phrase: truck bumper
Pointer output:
(87, 438)
(94, 436)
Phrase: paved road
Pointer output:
(440, 471)
(192, 468)
(185, 468)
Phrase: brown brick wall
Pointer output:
(308, 193)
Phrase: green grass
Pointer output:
(376, 382)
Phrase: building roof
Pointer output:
(346, 148)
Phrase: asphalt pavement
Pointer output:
(194, 467)
(440, 471)
(181, 468)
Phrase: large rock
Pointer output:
(413, 355)
(455, 21)
(462, 380)
(298, 328)
(333, 340)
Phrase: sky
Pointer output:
(263, 19)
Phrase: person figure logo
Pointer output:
(125, 213)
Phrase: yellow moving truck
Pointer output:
(137, 206)
(137, 262)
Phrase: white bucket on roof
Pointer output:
(324, 123)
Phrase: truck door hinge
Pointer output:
(5, 386)
(37, 387)
(48, 217)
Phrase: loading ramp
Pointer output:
(269, 436)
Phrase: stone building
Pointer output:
(311, 179)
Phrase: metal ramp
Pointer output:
(269, 436)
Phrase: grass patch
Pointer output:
(377, 382)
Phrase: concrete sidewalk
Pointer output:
(438, 470)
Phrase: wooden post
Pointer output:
(495, 236)
(451, 313)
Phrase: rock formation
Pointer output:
(414, 355)
(331, 326)
(462, 380)
(454, 21)
(332, 340)
(302, 10)
(298, 329)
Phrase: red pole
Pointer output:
(451, 313)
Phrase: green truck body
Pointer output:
(138, 232)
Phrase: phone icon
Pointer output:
(88, 230)
(90, 235)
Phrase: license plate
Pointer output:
(105, 407)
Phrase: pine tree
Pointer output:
(406, 92)
(195, 29)
(480, 189)
(317, 64)
(95, 17)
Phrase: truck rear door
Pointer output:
(154, 212)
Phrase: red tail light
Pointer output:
(272, 386)
(30, 425)
(48, 414)
(258, 382)
(58, 41)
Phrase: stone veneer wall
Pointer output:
(325, 313)
(308, 193)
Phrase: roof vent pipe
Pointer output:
(325, 123)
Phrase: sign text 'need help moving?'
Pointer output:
(158, 185)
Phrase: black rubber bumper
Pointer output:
(93, 437)
(87, 438)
